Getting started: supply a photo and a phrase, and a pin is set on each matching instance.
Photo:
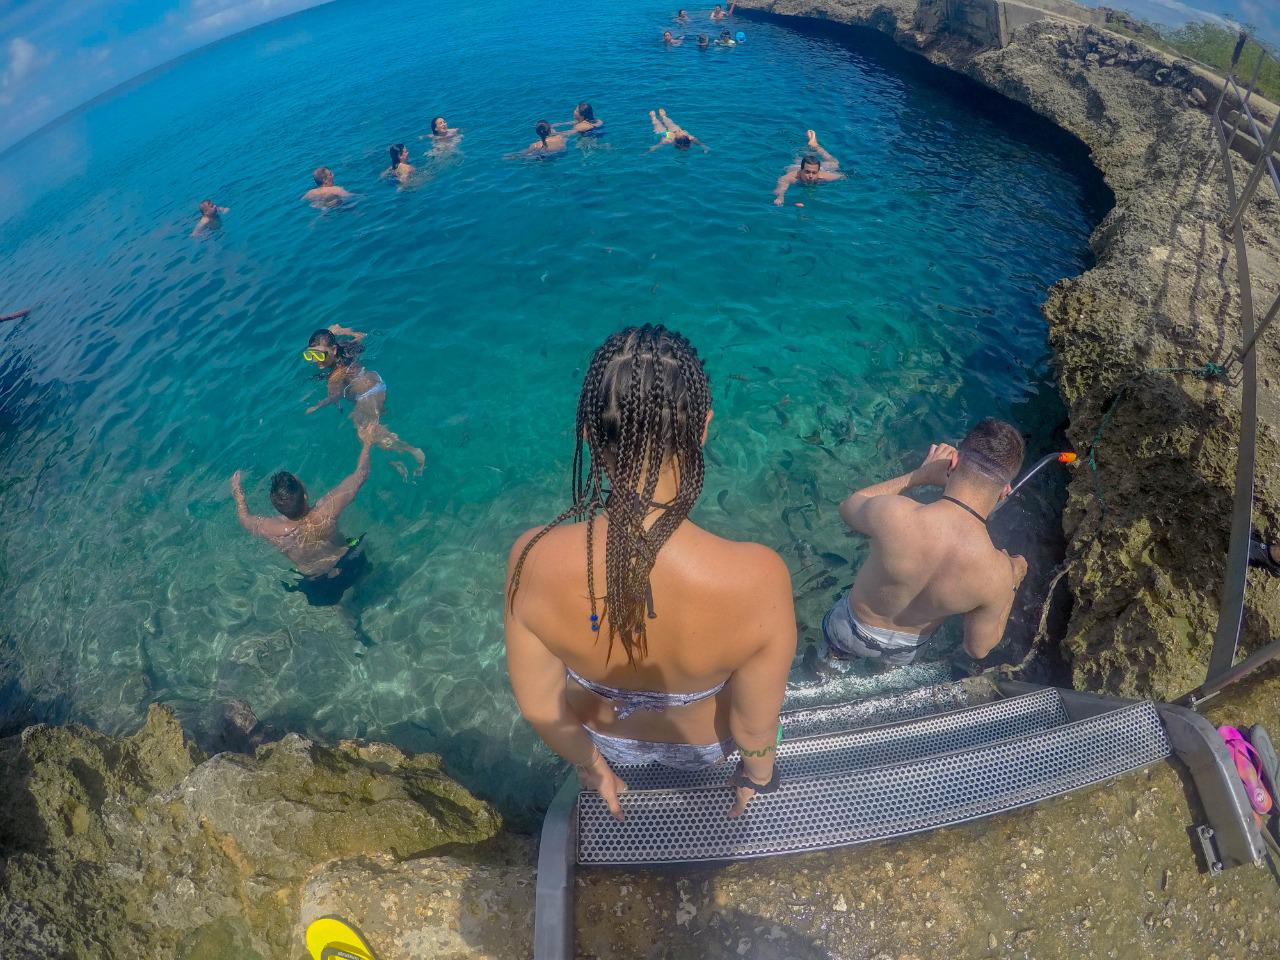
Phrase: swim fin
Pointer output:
(331, 938)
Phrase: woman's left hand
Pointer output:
(601, 778)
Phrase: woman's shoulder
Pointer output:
(751, 564)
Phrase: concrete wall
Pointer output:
(987, 23)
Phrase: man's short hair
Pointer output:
(811, 158)
(992, 451)
(322, 175)
(288, 495)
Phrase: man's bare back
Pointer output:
(928, 562)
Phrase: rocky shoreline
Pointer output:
(141, 846)
(1145, 572)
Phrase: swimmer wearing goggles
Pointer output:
(312, 355)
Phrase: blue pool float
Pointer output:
(740, 36)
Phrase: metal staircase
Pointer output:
(946, 755)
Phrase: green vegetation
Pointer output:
(1209, 44)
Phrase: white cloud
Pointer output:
(24, 59)
(225, 16)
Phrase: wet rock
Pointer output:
(138, 846)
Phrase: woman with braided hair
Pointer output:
(634, 636)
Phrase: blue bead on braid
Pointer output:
(595, 625)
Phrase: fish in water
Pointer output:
(783, 419)
(721, 497)
(813, 439)
(845, 432)
(739, 377)
(833, 559)
(765, 370)
(787, 460)
(826, 583)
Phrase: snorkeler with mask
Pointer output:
(348, 379)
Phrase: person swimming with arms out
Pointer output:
(669, 132)
(669, 40)
(549, 143)
(210, 217)
(584, 122)
(705, 627)
(325, 194)
(348, 379)
(401, 169)
(328, 563)
(808, 170)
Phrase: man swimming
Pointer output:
(548, 143)
(681, 17)
(401, 169)
(328, 563)
(718, 13)
(669, 132)
(931, 561)
(210, 217)
(325, 194)
(584, 120)
(671, 41)
(809, 169)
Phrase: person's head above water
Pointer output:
(399, 154)
(583, 111)
(438, 126)
(990, 454)
(289, 496)
(643, 413)
(543, 130)
(208, 208)
(682, 141)
(323, 177)
(326, 351)
(703, 41)
(810, 167)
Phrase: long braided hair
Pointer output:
(644, 401)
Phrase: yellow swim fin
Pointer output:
(331, 938)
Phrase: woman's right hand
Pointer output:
(599, 776)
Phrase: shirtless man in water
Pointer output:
(931, 561)
(809, 169)
(308, 534)
(325, 194)
(210, 217)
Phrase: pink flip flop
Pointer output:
(1247, 764)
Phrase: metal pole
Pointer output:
(1211, 688)
(1255, 178)
(1244, 100)
(1262, 327)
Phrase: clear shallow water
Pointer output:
(895, 308)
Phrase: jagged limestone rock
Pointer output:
(138, 846)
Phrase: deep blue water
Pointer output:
(894, 308)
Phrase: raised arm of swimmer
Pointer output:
(339, 331)
(339, 498)
(258, 526)
(337, 385)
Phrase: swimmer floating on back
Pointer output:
(669, 132)
(348, 379)
(325, 194)
(808, 169)
(401, 169)
(548, 143)
(210, 217)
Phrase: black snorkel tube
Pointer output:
(1066, 458)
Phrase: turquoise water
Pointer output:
(893, 309)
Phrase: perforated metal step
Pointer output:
(816, 756)
(873, 803)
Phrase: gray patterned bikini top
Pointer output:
(627, 702)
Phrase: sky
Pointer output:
(57, 54)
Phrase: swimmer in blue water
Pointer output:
(325, 194)
(548, 144)
(401, 169)
(326, 562)
(670, 40)
(726, 39)
(444, 138)
(681, 17)
(703, 42)
(809, 169)
(339, 365)
(584, 122)
(210, 217)
(718, 14)
(669, 132)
